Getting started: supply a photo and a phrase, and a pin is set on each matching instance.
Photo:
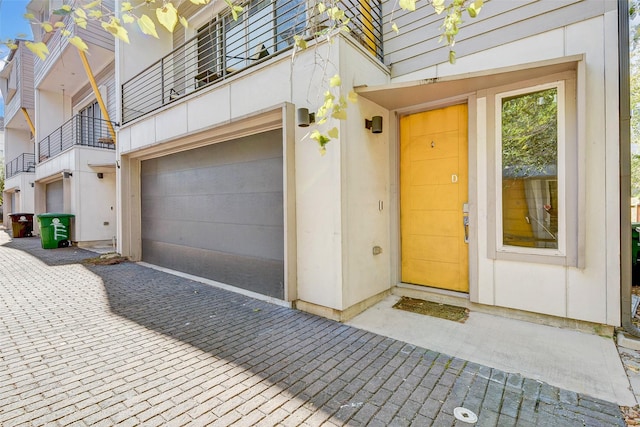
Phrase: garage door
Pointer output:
(217, 212)
(55, 199)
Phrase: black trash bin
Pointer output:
(21, 224)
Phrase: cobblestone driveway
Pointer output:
(128, 345)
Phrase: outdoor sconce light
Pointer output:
(32, 184)
(305, 118)
(17, 190)
(375, 124)
(100, 175)
(66, 174)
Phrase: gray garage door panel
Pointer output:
(55, 197)
(217, 212)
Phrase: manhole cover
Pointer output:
(463, 414)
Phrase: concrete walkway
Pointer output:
(128, 345)
(577, 361)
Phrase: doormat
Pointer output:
(106, 259)
(443, 311)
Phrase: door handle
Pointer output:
(465, 221)
(465, 224)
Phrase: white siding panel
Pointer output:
(531, 287)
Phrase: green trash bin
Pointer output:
(55, 230)
(635, 241)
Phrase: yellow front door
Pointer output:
(433, 193)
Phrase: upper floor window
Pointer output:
(90, 125)
(531, 170)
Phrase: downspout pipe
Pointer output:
(625, 168)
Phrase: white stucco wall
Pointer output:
(590, 293)
(90, 199)
(337, 195)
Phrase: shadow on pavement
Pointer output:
(275, 363)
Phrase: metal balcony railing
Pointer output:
(25, 162)
(224, 47)
(79, 130)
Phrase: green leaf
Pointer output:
(47, 27)
(335, 81)
(80, 22)
(394, 27)
(92, 4)
(59, 24)
(300, 42)
(29, 16)
(319, 138)
(452, 57)
(352, 97)
(78, 43)
(167, 16)
(128, 18)
(474, 8)
(64, 10)
(235, 10)
(333, 133)
(438, 6)
(339, 114)
(335, 13)
(184, 22)
(321, 7)
(126, 7)
(147, 26)
(80, 13)
(409, 5)
(200, 2)
(116, 29)
(40, 49)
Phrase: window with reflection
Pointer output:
(530, 147)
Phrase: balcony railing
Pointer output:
(224, 47)
(25, 162)
(79, 130)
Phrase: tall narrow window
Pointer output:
(90, 125)
(530, 168)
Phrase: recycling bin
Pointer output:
(635, 241)
(21, 224)
(55, 230)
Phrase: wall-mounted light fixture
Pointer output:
(17, 190)
(100, 175)
(375, 124)
(305, 117)
(66, 174)
(32, 184)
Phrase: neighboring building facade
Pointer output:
(448, 202)
(74, 103)
(16, 84)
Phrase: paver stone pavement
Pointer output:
(123, 344)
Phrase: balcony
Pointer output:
(19, 75)
(25, 162)
(79, 130)
(62, 67)
(225, 47)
